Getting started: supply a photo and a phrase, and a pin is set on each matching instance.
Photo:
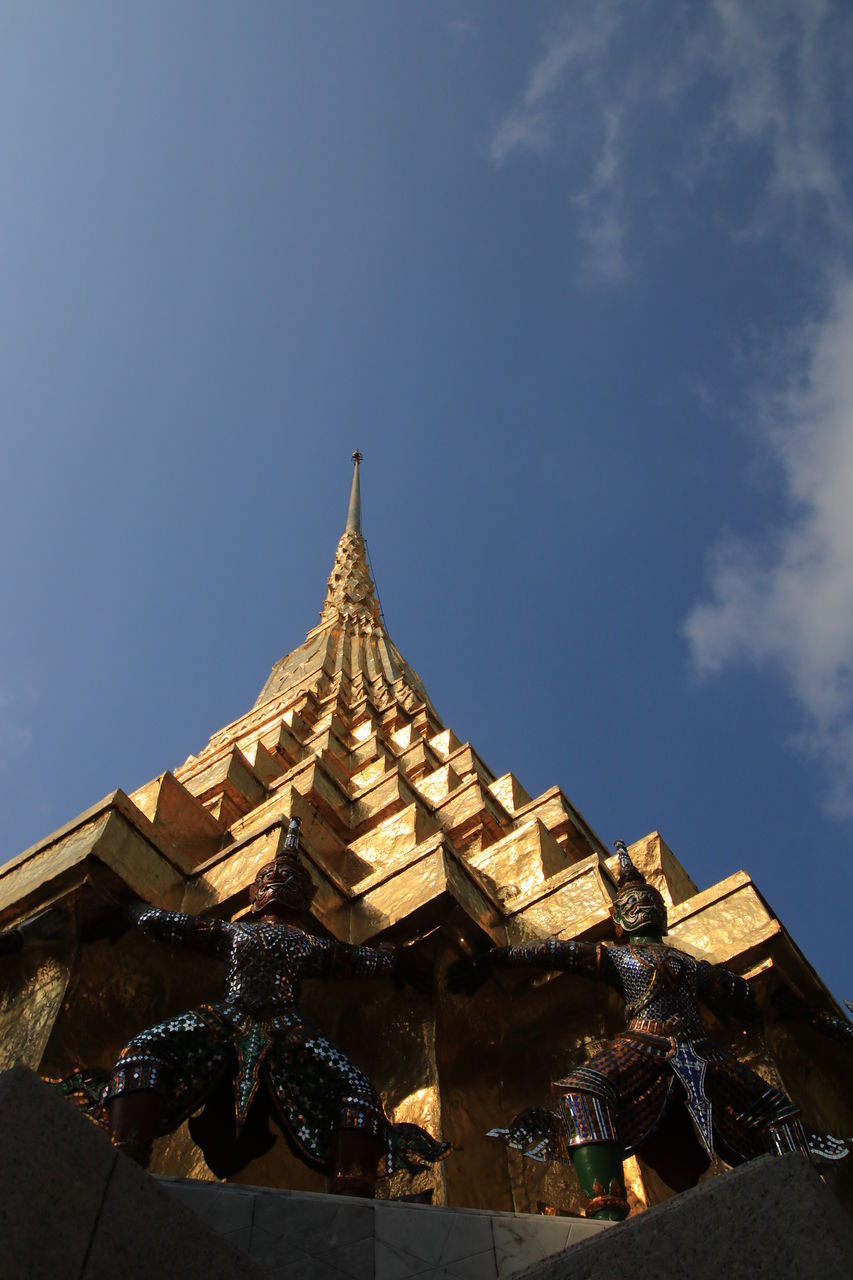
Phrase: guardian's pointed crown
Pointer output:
(637, 906)
(283, 884)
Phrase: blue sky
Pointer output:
(576, 278)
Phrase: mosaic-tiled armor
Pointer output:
(257, 1036)
(232, 1065)
(624, 1093)
(663, 1080)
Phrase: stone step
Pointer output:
(304, 1236)
(770, 1217)
(74, 1208)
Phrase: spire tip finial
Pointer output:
(353, 524)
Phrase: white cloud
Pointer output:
(771, 71)
(604, 236)
(747, 104)
(603, 221)
(571, 54)
(781, 63)
(785, 600)
(529, 124)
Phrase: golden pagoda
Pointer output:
(408, 835)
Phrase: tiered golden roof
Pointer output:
(407, 833)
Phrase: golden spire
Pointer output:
(351, 597)
(350, 637)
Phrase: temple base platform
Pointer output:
(73, 1208)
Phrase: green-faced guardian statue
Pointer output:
(662, 1087)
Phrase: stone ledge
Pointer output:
(302, 1236)
(71, 1206)
(772, 1217)
(74, 1208)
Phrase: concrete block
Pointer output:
(769, 1217)
(355, 1260)
(73, 1208)
(315, 1225)
(411, 1240)
(479, 1266)
(142, 1232)
(522, 1240)
(54, 1169)
(312, 1236)
(227, 1209)
(467, 1246)
(304, 1236)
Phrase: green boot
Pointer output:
(599, 1169)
